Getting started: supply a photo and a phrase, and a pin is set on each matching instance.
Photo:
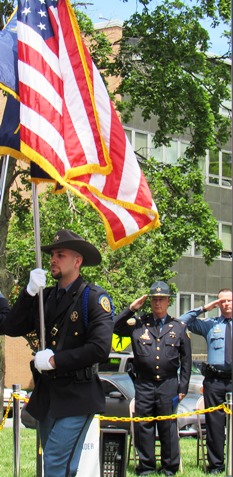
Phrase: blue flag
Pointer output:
(9, 129)
(9, 56)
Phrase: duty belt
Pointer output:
(84, 374)
(155, 377)
(210, 371)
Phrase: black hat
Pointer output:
(160, 288)
(67, 239)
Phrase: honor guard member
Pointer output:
(161, 347)
(78, 332)
(217, 371)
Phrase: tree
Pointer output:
(166, 71)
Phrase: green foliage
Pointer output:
(217, 10)
(129, 271)
(166, 71)
(6, 9)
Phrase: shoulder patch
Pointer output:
(105, 303)
(131, 321)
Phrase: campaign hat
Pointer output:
(67, 239)
(160, 288)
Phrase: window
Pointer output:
(199, 300)
(129, 135)
(219, 168)
(185, 303)
(171, 153)
(215, 311)
(188, 301)
(141, 143)
(225, 235)
(216, 166)
(226, 169)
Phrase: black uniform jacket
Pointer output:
(157, 354)
(71, 390)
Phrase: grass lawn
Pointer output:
(28, 455)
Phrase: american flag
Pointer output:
(68, 125)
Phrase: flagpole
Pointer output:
(36, 219)
(5, 163)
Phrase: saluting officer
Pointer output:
(78, 327)
(217, 332)
(161, 347)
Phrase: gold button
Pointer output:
(158, 347)
(157, 357)
(158, 339)
(157, 377)
(173, 344)
(76, 333)
(156, 367)
(54, 343)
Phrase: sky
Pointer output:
(103, 10)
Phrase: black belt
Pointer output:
(152, 377)
(84, 374)
(210, 371)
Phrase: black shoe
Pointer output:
(165, 472)
(215, 470)
(145, 472)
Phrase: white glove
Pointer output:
(37, 281)
(41, 361)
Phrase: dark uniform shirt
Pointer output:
(157, 354)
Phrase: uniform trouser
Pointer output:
(155, 399)
(62, 442)
(214, 394)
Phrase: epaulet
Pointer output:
(142, 318)
(145, 317)
(179, 321)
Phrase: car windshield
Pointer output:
(112, 364)
(122, 381)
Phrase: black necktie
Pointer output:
(61, 292)
(228, 342)
(158, 325)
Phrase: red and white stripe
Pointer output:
(69, 127)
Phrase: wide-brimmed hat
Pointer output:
(160, 288)
(67, 239)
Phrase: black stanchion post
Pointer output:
(39, 454)
(229, 463)
(16, 430)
